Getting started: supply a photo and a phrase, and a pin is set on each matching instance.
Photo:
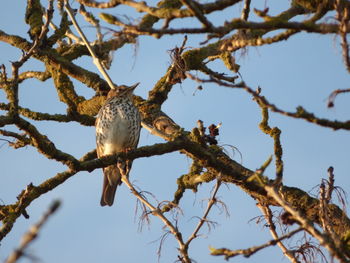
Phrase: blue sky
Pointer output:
(301, 71)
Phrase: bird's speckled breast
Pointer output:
(117, 126)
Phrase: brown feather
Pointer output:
(111, 180)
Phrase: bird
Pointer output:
(118, 125)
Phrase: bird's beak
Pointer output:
(131, 88)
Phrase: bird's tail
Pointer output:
(112, 178)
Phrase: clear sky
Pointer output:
(301, 71)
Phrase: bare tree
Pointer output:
(317, 222)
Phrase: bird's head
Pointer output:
(122, 91)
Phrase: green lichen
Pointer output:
(65, 89)
(110, 19)
(61, 31)
(346, 240)
(313, 5)
(299, 198)
(275, 134)
(196, 137)
(92, 106)
(229, 61)
(194, 58)
(33, 17)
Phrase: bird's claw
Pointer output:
(123, 167)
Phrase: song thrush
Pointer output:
(117, 129)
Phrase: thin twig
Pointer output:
(322, 28)
(195, 9)
(300, 113)
(252, 250)
(323, 238)
(246, 10)
(325, 197)
(343, 16)
(162, 11)
(109, 4)
(32, 233)
(68, 34)
(37, 41)
(334, 94)
(323, 212)
(157, 212)
(155, 131)
(268, 216)
(89, 17)
(330, 187)
(88, 46)
(210, 204)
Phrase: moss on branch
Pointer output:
(33, 17)
(274, 133)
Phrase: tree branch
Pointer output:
(32, 234)
(252, 250)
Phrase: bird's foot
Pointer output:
(123, 167)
